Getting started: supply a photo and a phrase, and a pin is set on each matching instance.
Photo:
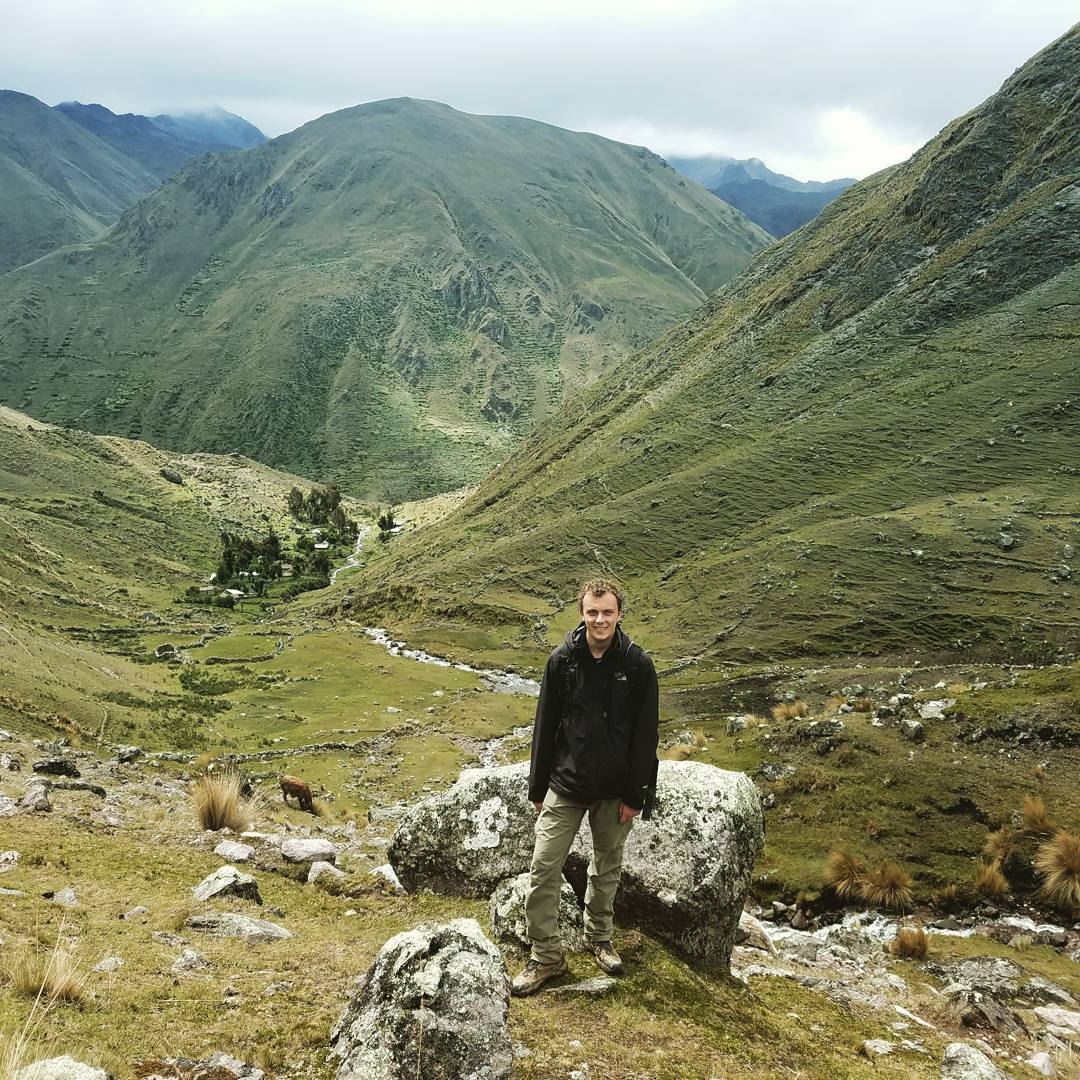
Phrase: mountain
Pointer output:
(61, 184)
(213, 128)
(387, 297)
(158, 151)
(778, 203)
(865, 443)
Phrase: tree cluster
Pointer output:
(257, 561)
(322, 506)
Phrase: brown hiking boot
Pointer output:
(534, 975)
(607, 959)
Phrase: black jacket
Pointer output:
(595, 732)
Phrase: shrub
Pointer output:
(789, 710)
(844, 874)
(219, 802)
(947, 898)
(863, 704)
(999, 845)
(1036, 818)
(1058, 863)
(990, 883)
(48, 978)
(910, 943)
(887, 886)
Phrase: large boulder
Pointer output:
(433, 1005)
(507, 912)
(61, 1068)
(963, 1062)
(467, 839)
(686, 871)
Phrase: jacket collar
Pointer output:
(620, 643)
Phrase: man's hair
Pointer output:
(599, 586)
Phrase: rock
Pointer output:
(751, 932)
(507, 911)
(737, 723)
(935, 710)
(218, 1066)
(1063, 1023)
(686, 871)
(79, 785)
(36, 797)
(6, 736)
(8, 806)
(61, 1068)
(1042, 1064)
(963, 1062)
(991, 975)
(234, 851)
(449, 982)
(165, 651)
(57, 765)
(66, 898)
(8, 861)
(386, 872)
(912, 729)
(1006, 540)
(227, 924)
(9, 763)
(126, 754)
(320, 869)
(227, 881)
(301, 851)
(189, 960)
(594, 987)
(873, 1048)
(109, 964)
(1045, 992)
(135, 912)
(171, 475)
(173, 941)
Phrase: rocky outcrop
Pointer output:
(686, 871)
(433, 1005)
(467, 839)
(507, 912)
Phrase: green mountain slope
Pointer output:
(387, 297)
(866, 442)
(777, 210)
(61, 183)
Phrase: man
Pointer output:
(593, 752)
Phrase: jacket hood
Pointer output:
(575, 639)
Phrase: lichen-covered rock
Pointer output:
(686, 871)
(963, 1062)
(308, 851)
(36, 797)
(320, 869)
(228, 924)
(433, 1005)
(467, 839)
(227, 881)
(57, 765)
(61, 1068)
(507, 911)
(234, 851)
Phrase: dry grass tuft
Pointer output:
(947, 898)
(806, 779)
(844, 874)
(50, 978)
(219, 803)
(1039, 772)
(789, 710)
(990, 883)
(863, 704)
(1058, 863)
(910, 943)
(888, 886)
(999, 845)
(1036, 818)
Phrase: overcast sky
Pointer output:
(817, 90)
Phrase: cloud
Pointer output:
(816, 90)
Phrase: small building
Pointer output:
(322, 545)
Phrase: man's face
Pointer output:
(601, 614)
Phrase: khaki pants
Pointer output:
(556, 827)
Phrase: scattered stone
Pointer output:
(992, 975)
(61, 1068)
(935, 710)
(687, 869)
(171, 475)
(320, 869)
(166, 651)
(36, 797)
(1042, 1064)
(315, 850)
(873, 1048)
(912, 729)
(270, 839)
(6, 736)
(8, 861)
(234, 851)
(173, 941)
(228, 924)
(127, 754)
(189, 960)
(280, 987)
(1063, 1023)
(1045, 992)
(753, 934)
(80, 785)
(57, 765)
(66, 898)
(507, 912)
(227, 881)
(135, 912)
(386, 872)
(9, 763)
(218, 1066)
(594, 987)
(964, 1062)
(8, 806)
(448, 981)
(735, 724)
(109, 964)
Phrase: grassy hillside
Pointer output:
(864, 444)
(61, 184)
(387, 297)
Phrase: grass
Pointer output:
(910, 943)
(990, 883)
(1058, 864)
(1036, 818)
(789, 710)
(887, 886)
(844, 874)
(54, 977)
(219, 802)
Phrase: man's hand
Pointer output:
(539, 806)
(627, 813)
